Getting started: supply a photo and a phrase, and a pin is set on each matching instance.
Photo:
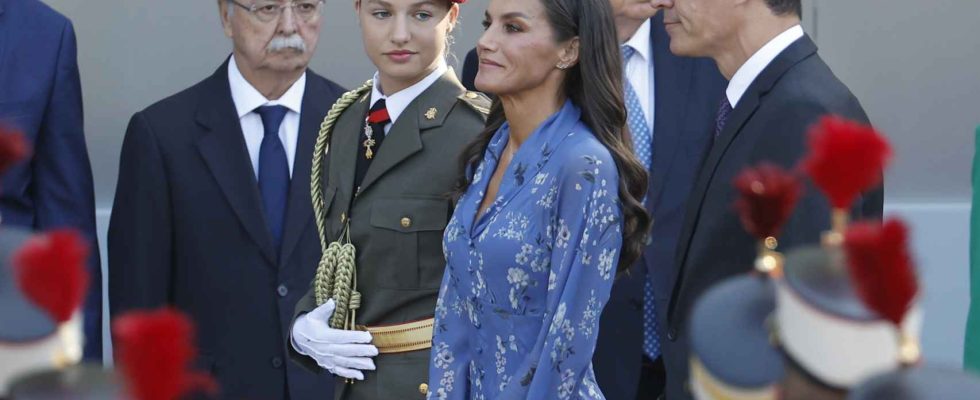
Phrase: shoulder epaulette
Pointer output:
(363, 92)
(477, 101)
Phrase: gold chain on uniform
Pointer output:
(336, 274)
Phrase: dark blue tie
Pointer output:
(273, 170)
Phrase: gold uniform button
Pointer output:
(406, 222)
(471, 95)
(424, 388)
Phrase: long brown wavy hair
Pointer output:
(595, 85)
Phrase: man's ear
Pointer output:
(223, 10)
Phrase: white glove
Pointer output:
(343, 353)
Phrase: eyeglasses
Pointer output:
(268, 11)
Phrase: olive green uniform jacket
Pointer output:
(397, 221)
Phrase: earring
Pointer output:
(562, 66)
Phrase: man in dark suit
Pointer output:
(778, 87)
(40, 95)
(670, 123)
(213, 213)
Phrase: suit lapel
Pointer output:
(315, 105)
(746, 107)
(404, 138)
(223, 148)
(672, 83)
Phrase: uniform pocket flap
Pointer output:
(410, 214)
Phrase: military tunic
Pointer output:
(397, 220)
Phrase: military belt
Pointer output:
(403, 337)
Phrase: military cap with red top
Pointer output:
(846, 309)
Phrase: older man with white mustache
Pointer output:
(212, 213)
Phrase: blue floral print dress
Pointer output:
(525, 283)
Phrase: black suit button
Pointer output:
(276, 362)
(282, 290)
(672, 335)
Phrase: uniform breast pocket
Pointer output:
(410, 229)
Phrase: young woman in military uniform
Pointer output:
(385, 163)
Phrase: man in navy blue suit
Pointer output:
(40, 95)
(671, 102)
(213, 213)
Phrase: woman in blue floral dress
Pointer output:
(549, 209)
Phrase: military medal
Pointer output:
(378, 115)
(369, 142)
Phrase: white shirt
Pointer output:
(247, 99)
(639, 70)
(747, 73)
(397, 102)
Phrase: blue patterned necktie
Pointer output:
(643, 148)
(273, 171)
(724, 111)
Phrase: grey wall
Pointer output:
(914, 65)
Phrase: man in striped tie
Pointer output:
(671, 103)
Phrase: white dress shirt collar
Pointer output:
(247, 98)
(640, 41)
(747, 73)
(396, 103)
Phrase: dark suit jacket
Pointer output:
(187, 230)
(769, 123)
(41, 95)
(687, 92)
(399, 267)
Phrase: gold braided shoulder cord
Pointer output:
(336, 273)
